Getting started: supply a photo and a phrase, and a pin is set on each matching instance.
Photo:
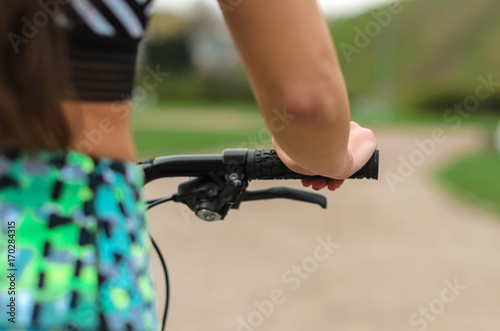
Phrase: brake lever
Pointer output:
(283, 193)
(211, 199)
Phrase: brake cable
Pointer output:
(151, 204)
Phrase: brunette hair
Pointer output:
(32, 77)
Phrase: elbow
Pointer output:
(317, 104)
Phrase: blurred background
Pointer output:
(417, 250)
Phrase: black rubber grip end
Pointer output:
(370, 170)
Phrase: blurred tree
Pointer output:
(198, 52)
(166, 43)
(423, 53)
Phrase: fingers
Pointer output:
(319, 184)
(334, 184)
(306, 182)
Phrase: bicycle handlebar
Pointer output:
(222, 180)
(253, 164)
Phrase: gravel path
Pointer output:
(400, 256)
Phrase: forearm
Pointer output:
(312, 130)
(293, 68)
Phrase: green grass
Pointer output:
(477, 176)
(197, 127)
(199, 119)
(186, 130)
(168, 142)
(245, 105)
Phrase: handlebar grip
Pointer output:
(266, 165)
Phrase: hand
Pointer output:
(317, 184)
(361, 146)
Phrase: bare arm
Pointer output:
(293, 68)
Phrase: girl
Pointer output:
(74, 232)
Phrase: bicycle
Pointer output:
(221, 180)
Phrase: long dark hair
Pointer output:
(32, 85)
